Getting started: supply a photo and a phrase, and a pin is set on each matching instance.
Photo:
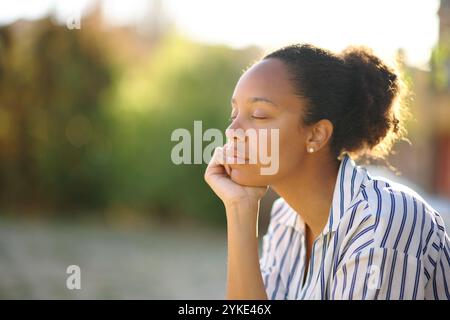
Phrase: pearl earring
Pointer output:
(310, 149)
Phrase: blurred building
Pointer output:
(442, 101)
(427, 160)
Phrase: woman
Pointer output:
(336, 232)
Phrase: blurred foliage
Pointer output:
(82, 130)
(440, 66)
(181, 82)
(52, 121)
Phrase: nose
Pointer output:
(235, 133)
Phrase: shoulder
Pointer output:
(399, 218)
(277, 205)
(282, 215)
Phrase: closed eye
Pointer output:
(231, 119)
(259, 117)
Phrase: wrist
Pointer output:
(242, 217)
(242, 204)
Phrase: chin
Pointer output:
(250, 176)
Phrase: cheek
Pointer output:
(283, 147)
(291, 151)
(250, 175)
(290, 158)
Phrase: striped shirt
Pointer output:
(381, 241)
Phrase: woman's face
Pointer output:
(265, 99)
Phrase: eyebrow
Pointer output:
(255, 100)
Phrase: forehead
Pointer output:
(267, 78)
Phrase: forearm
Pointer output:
(244, 280)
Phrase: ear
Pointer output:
(320, 134)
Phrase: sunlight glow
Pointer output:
(383, 25)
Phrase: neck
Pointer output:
(309, 190)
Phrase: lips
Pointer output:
(234, 153)
(236, 156)
(233, 156)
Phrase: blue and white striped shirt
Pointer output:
(381, 241)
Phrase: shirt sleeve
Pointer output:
(270, 261)
(403, 255)
(439, 286)
(379, 273)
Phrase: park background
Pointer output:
(90, 92)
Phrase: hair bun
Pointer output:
(375, 87)
(371, 68)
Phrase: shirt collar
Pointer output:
(291, 219)
(350, 177)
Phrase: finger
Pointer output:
(228, 154)
(215, 165)
(218, 156)
(227, 169)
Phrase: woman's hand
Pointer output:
(244, 279)
(218, 176)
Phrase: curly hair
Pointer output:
(361, 95)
